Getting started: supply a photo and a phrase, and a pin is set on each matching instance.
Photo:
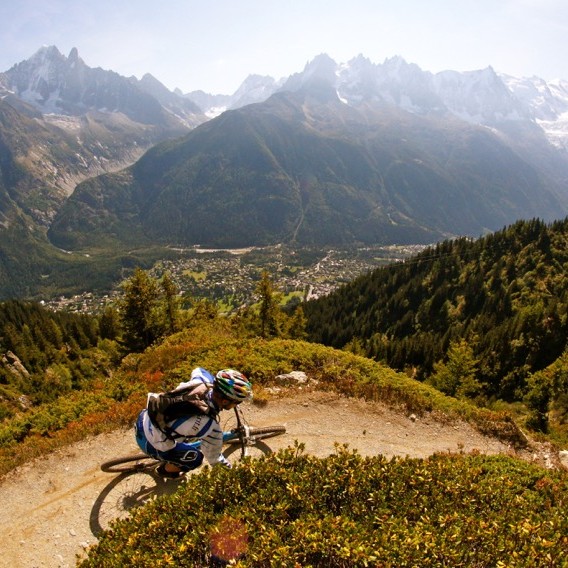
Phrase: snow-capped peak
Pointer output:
(55, 83)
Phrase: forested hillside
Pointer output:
(304, 168)
(494, 310)
(68, 365)
(44, 355)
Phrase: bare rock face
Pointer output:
(14, 365)
(293, 378)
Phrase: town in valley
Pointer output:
(229, 277)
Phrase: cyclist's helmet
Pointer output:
(232, 385)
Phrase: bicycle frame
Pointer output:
(242, 432)
(242, 437)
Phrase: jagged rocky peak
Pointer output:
(149, 79)
(46, 58)
(45, 52)
(255, 82)
(254, 89)
(357, 80)
(152, 85)
(35, 79)
(478, 96)
(397, 63)
(321, 68)
(318, 78)
(355, 70)
(469, 81)
(73, 56)
(396, 73)
(548, 100)
(360, 61)
(59, 85)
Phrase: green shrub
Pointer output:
(344, 372)
(291, 509)
(215, 345)
(49, 418)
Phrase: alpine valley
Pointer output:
(100, 172)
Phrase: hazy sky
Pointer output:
(214, 45)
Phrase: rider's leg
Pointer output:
(184, 457)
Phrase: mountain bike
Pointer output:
(242, 438)
(138, 480)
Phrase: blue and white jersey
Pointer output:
(191, 428)
(199, 374)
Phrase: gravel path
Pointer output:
(53, 508)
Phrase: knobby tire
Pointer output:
(142, 462)
(261, 433)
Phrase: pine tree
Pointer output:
(171, 303)
(297, 324)
(457, 376)
(139, 312)
(109, 323)
(204, 309)
(268, 311)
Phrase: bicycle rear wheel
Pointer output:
(132, 463)
(125, 493)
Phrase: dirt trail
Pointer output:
(53, 508)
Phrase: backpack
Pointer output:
(186, 401)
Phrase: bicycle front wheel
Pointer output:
(257, 434)
(264, 432)
(253, 445)
(133, 463)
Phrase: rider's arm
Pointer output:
(212, 447)
(209, 432)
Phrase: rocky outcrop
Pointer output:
(14, 365)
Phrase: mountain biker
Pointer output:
(225, 391)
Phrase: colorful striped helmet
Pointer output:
(232, 385)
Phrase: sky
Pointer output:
(213, 45)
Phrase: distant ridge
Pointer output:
(304, 167)
(347, 153)
(480, 97)
(57, 84)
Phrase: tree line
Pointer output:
(480, 319)
(476, 318)
(46, 354)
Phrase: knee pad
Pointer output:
(188, 459)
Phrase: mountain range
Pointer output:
(76, 122)
(480, 97)
(336, 154)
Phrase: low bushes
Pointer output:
(68, 419)
(345, 510)
(342, 371)
(112, 401)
